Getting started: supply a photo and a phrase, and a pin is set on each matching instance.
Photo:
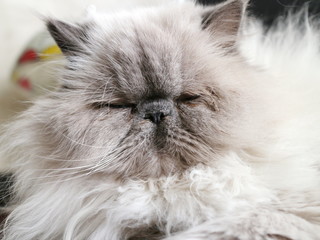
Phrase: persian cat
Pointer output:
(179, 122)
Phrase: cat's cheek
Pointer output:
(197, 114)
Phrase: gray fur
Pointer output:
(161, 130)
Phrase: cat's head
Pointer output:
(146, 93)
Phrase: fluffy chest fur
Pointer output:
(103, 209)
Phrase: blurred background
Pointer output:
(269, 10)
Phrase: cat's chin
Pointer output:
(159, 166)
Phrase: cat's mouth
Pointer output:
(155, 150)
(184, 149)
(160, 137)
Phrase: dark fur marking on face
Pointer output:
(111, 105)
(214, 99)
(68, 37)
(148, 71)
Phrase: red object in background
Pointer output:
(25, 83)
(28, 56)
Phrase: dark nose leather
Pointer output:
(156, 110)
(155, 117)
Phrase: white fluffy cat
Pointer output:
(180, 122)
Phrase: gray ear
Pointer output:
(70, 38)
(224, 20)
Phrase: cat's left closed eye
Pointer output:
(188, 97)
(120, 105)
(99, 105)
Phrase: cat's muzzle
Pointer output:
(155, 110)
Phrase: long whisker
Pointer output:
(124, 152)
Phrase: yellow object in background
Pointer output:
(50, 51)
(34, 71)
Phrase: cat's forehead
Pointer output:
(161, 52)
(147, 54)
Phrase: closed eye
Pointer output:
(99, 105)
(188, 97)
(111, 105)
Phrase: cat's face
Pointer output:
(146, 94)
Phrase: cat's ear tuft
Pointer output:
(70, 38)
(225, 20)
